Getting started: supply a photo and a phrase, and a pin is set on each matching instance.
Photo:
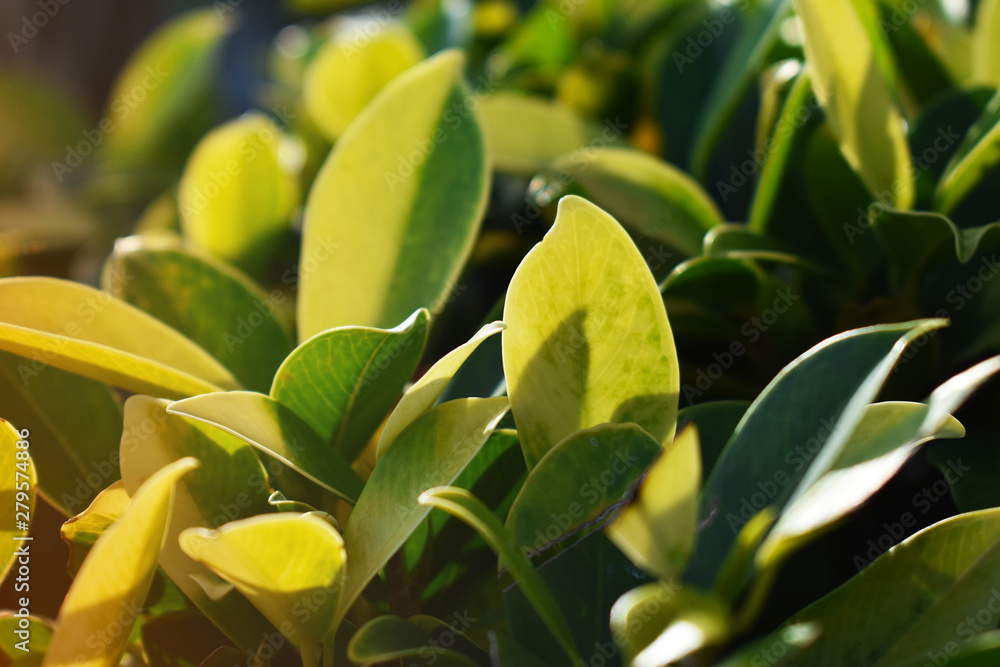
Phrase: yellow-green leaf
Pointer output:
(291, 567)
(986, 44)
(237, 193)
(230, 484)
(351, 68)
(587, 339)
(394, 211)
(524, 132)
(14, 481)
(857, 99)
(90, 333)
(39, 635)
(82, 531)
(657, 529)
(420, 397)
(111, 586)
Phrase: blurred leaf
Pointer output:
(111, 586)
(393, 213)
(342, 382)
(82, 530)
(351, 68)
(643, 192)
(525, 132)
(421, 396)
(977, 155)
(39, 636)
(588, 341)
(462, 504)
(253, 555)
(849, 80)
(88, 332)
(154, 105)
(230, 484)
(76, 427)
(431, 451)
(276, 431)
(238, 191)
(986, 43)
(804, 418)
(577, 483)
(656, 530)
(215, 306)
(385, 638)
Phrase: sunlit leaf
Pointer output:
(81, 531)
(17, 485)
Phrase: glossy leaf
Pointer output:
(237, 192)
(588, 341)
(805, 424)
(578, 482)
(230, 484)
(524, 132)
(880, 616)
(463, 505)
(90, 333)
(82, 531)
(422, 395)
(351, 68)
(215, 306)
(343, 382)
(978, 154)
(385, 638)
(76, 425)
(112, 584)
(253, 555)
(396, 206)
(17, 486)
(432, 451)
(277, 432)
(644, 193)
(846, 80)
(656, 530)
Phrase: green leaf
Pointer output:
(715, 421)
(588, 341)
(387, 638)
(351, 68)
(879, 617)
(977, 155)
(163, 88)
(343, 382)
(277, 432)
(422, 395)
(645, 193)
(394, 211)
(39, 637)
(90, 333)
(656, 530)
(739, 73)
(238, 192)
(17, 486)
(795, 431)
(432, 451)
(778, 151)
(81, 531)
(255, 556)
(660, 623)
(911, 239)
(215, 306)
(577, 482)
(76, 426)
(847, 80)
(526, 132)
(230, 484)
(463, 505)
(986, 43)
(112, 584)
